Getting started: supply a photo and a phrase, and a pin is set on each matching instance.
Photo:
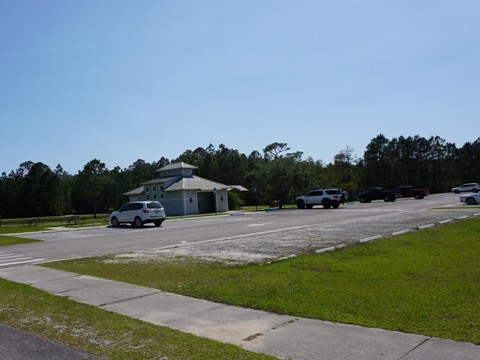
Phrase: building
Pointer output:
(183, 193)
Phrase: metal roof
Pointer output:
(176, 166)
(196, 183)
(139, 190)
(237, 187)
(158, 180)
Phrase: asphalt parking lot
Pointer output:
(272, 245)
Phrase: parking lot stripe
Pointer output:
(7, 259)
(22, 262)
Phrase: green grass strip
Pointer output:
(12, 240)
(15, 229)
(427, 282)
(102, 333)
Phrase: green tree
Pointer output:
(273, 150)
(376, 163)
(91, 182)
(40, 190)
(468, 162)
(142, 171)
(345, 173)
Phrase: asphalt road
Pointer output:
(21, 345)
(58, 245)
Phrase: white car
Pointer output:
(470, 187)
(470, 199)
(138, 213)
(326, 197)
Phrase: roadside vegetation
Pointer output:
(425, 282)
(12, 240)
(102, 333)
(20, 225)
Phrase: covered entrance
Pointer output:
(206, 202)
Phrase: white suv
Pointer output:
(138, 213)
(326, 197)
(470, 187)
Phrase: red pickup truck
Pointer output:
(410, 191)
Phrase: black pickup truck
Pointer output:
(376, 193)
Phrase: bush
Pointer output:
(235, 201)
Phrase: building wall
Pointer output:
(154, 192)
(135, 197)
(173, 202)
(222, 200)
(191, 202)
(187, 202)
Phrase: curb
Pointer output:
(396, 233)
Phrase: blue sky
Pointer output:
(123, 80)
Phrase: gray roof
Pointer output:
(178, 165)
(237, 187)
(183, 182)
(158, 180)
(196, 183)
(137, 191)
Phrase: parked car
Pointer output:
(139, 213)
(376, 193)
(470, 187)
(409, 191)
(326, 197)
(470, 199)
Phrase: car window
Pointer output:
(154, 205)
(137, 206)
(333, 192)
(126, 207)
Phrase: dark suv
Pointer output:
(138, 213)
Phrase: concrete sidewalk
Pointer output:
(279, 335)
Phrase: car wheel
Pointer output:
(470, 201)
(392, 199)
(300, 204)
(386, 199)
(114, 222)
(362, 200)
(138, 222)
(158, 223)
(336, 205)
(327, 204)
(457, 191)
(475, 190)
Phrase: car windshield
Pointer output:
(154, 205)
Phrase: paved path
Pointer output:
(279, 335)
(16, 344)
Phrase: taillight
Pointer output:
(145, 211)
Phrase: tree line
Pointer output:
(34, 189)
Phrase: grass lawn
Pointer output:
(18, 229)
(427, 282)
(12, 240)
(102, 333)
(22, 225)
